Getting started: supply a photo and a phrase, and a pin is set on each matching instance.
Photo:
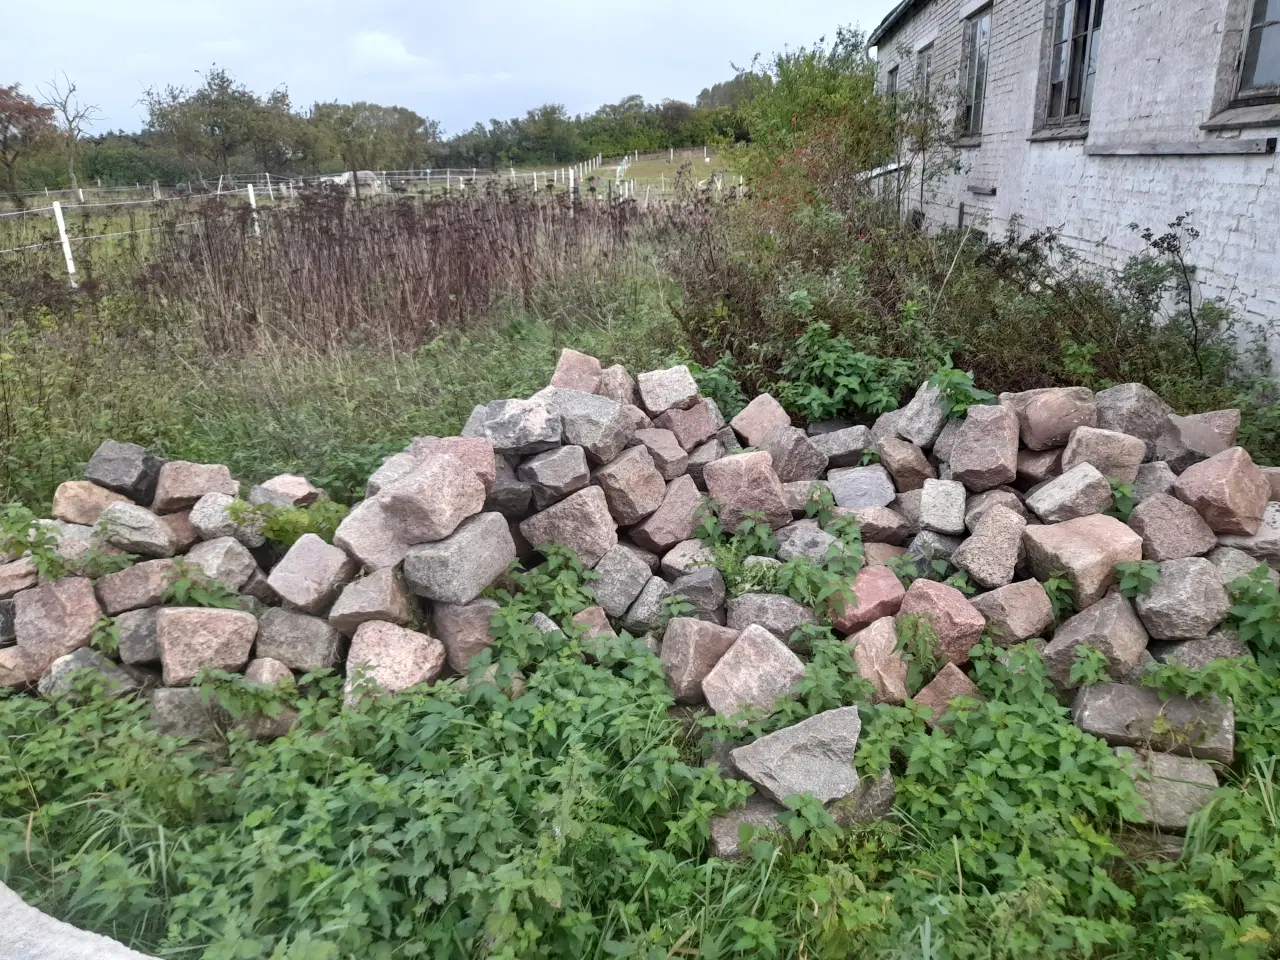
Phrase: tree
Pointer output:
(212, 122)
(71, 117)
(22, 123)
(369, 136)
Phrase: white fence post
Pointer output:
(80, 190)
(253, 204)
(270, 193)
(570, 191)
(66, 244)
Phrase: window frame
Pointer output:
(924, 69)
(1079, 75)
(1266, 93)
(891, 81)
(971, 103)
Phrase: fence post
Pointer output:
(253, 205)
(80, 190)
(66, 244)
(270, 193)
(570, 191)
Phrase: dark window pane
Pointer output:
(1262, 58)
(1097, 14)
(1062, 21)
(1265, 10)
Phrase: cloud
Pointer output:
(374, 52)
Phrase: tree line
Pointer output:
(221, 127)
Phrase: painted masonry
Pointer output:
(1089, 115)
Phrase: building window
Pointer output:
(1073, 64)
(924, 70)
(977, 37)
(891, 84)
(1260, 72)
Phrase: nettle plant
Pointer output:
(825, 377)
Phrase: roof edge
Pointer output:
(892, 19)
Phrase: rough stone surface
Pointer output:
(19, 668)
(954, 619)
(192, 639)
(927, 546)
(555, 474)
(662, 390)
(464, 629)
(690, 650)
(798, 493)
(710, 451)
(136, 529)
(1225, 423)
(978, 504)
(991, 554)
(1109, 626)
(379, 596)
(581, 522)
(906, 463)
(180, 484)
(752, 675)
(886, 425)
(602, 427)
(1129, 716)
(945, 445)
(1079, 492)
(141, 585)
(521, 428)
(429, 502)
(843, 447)
(1170, 529)
(53, 620)
(136, 636)
(694, 426)
(878, 594)
(1263, 545)
(858, 487)
(298, 641)
(685, 556)
(647, 611)
(942, 507)
(673, 521)
(882, 525)
(226, 560)
(759, 813)
(312, 573)
(794, 455)
(938, 694)
(79, 501)
(61, 677)
(668, 456)
(1017, 612)
(780, 615)
(1047, 417)
(1113, 454)
(1153, 478)
(924, 417)
(186, 712)
(1233, 564)
(618, 385)
(1086, 549)
(1133, 408)
(298, 490)
(1185, 442)
(876, 657)
(125, 468)
(1186, 602)
(814, 756)
(475, 453)
(621, 576)
(509, 496)
(985, 452)
(392, 469)
(458, 568)
(211, 516)
(632, 485)
(805, 538)
(1170, 789)
(1228, 490)
(16, 576)
(1037, 466)
(704, 588)
(1273, 477)
(387, 659)
(746, 483)
(758, 418)
(577, 371)
(1221, 644)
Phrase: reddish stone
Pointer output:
(875, 652)
(692, 426)
(475, 453)
(576, 371)
(673, 521)
(746, 483)
(759, 417)
(55, 619)
(1016, 612)
(301, 491)
(906, 463)
(949, 685)
(192, 639)
(1086, 549)
(878, 594)
(690, 650)
(181, 484)
(1228, 490)
(956, 621)
(985, 452)
(391, 659)
(753, 674)
(632, 486)
(1048, 416)
(79, 501)
(1114, 454)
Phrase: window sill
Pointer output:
(1073, 132)
(966, 142)
(1244, 117)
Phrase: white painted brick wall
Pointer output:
(1156, 72)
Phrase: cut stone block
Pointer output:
(956, 621)
(757, 418)
(881, 525)
(1134, 409)
(924, 417)
(805, 538)
(814, 756)
(1113, 454)
(1037, 466)
(312, 573)
(704, 588)
(1225, 423)
(521, 428)
(746, 483)
(978, 504)
(392, 469)
(1199, 727)
(581, 522)
(632, 486)
(844, 447)
(648, 610)
(379, 596)
(621, 576)
(576, 371)
(298, 641)
(1233, 564)
(141, 585)
(1264, 545)
(990, 556)
(297, 490)
(1153, 478)
(1171, 789)
(618, 385)
(710, 451)
(79, 501)
(458, 568)
(1228, 490)
(226, 560)
(760, 813)
(875, 653)
(985, 452)
(906, 463)
(429, 502)
(474, 453)
(509, 496)
(780, 615)
(694, 426)
(685, 556)
(1047, 416)
(1186, 603)
(942, 504)
(1109, 626)
(64, 673)
(192, 639)
(125, 468)
(927, 546)
(212, 518)
(943, 690)
(858, 487)
(1221, 644)
(663, 390)
(180, 484)
(668, 456)
(1017, 612)
(878, 594)
(1080, 492)
(16, 576)
(136, 636)
(755, 672)
(1170, 529)
(555, 474)
(464, 629)
(673, 521)
(386, 659)
(135, 529)
(690, 650)
(794, 455)
(602, 427)
(55, 619)
(1086, 550)
(1185, 442)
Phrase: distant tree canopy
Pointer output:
(221, 127)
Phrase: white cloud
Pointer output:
(373, 51)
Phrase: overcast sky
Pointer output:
(456, 62)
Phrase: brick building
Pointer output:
(1089, 115)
